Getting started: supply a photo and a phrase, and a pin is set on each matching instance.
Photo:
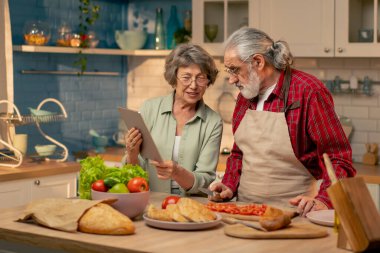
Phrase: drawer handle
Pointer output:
(327, 50)
(37, 182)
(340, 50)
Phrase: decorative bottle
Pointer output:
(171, 27)
(159, 33)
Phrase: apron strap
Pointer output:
(285, 91)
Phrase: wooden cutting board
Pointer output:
(293, 231)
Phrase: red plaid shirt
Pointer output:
(314, 129)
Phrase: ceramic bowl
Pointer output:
(130, 40)
(130, 204)
(45, 150)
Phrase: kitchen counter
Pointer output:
(29, 169)
(147, 239)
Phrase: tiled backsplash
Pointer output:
(145, 80)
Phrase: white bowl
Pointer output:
(130, 40)
(130, 204)
(45, 150)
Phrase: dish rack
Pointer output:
(16, 119)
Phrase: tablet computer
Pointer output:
(148, 147)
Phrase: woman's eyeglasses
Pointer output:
(201, 81)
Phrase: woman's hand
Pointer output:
(172, 170)
(224, 192)
(306, 204)
(133, 140)
(165, 169)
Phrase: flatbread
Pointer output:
(175, 213)
(103, 219)
(195, 211)
(158, 214)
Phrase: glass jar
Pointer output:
(36, 33)
(63, 35)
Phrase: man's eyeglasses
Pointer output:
(201, 81)
(235, 70)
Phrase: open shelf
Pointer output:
(100, 51)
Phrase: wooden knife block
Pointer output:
(359, 220)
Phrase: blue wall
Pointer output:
(90, 101)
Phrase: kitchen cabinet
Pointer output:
(20, 192)
(307, 25)
(357, 28)
(320, 29)
(222, 17)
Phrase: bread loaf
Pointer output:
(274, 219)
(103, 219)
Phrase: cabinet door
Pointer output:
(14, 193)
(357, 28)
(307, 25)
(215, 20)
(60, 186)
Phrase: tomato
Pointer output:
(119, 188)
(169, 200)
(99, 186)
(138, 184)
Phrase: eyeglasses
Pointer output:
(235, 70)
(201, 81)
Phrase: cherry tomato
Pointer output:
(169, 200)
(138, 184)
(99, 186)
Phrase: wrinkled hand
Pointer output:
(133, 140)
(306, 204)
(224, 192)
(165, 169)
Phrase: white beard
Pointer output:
(252, 88)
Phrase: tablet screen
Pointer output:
(148, 147)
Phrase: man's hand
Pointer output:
(224, 192)
(306, 204)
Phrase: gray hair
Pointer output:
(249, 41)
(185, 55)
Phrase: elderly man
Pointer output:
(284, 120)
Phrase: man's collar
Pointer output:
(280, 83)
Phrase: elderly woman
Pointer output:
(186, 131)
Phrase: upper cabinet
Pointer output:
(215, 20)
(307, 25)
(357, 28)
(313, 28)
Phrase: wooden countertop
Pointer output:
(147, 239)
(30, 169)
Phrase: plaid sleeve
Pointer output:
(327, 133)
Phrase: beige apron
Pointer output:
(271, 173)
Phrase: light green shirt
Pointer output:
(199, 146)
